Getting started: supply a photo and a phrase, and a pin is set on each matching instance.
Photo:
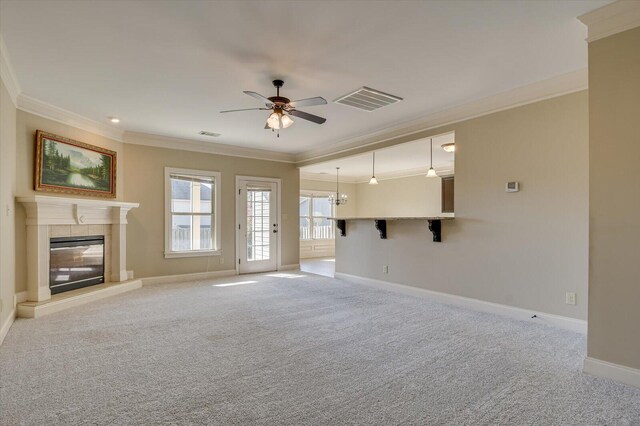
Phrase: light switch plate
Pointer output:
(570, 298)
(512, 186)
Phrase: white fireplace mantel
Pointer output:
(44, 212)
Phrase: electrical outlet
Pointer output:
(570, 298)
(385, 269)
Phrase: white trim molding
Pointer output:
(7, 74)
(158, 141)
(619, 373)
(613, 18)
(291, 267)
(564, 84)
(215, 212)
(4, 330)
(572, 324)
(240, 219)
(40, 108)
(326, 177)
(43, 212)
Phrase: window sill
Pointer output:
(199, 253)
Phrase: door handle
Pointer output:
(275, 231)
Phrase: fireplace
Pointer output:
(75, 262)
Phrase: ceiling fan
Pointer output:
(282, 108)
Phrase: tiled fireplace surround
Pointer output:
(49, 217)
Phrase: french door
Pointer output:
(257, 225)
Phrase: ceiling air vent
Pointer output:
(205, 133)
(367, 99)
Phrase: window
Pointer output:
(315, 211)
(305, 218)
(192, 217)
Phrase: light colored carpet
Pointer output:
(296, 349)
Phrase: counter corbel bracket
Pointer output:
(341, 224)
(381, 226)
(435, 226)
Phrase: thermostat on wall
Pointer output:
(512, 187)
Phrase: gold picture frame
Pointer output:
(67, 166)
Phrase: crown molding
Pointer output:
(37, 107)
(564, 84)
(7, 74)
(613, 18)
(322, 177)
(418, 171)
(168, 142)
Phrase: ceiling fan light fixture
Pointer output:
(449, 147)
(277, 118)
(282, 108)
(286, 121)
(274, 121)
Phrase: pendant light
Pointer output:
(338, 199)
(431, 173)
(373, 180)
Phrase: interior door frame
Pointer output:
(240, 219)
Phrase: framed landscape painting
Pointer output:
(67, 166)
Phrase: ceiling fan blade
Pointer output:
(245, 109)
(259, 97)
(266, 126)
(308, 102)
(307, 116)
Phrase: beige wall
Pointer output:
(7, 206)
(27, 124)
(409, 196)
(523, 249)
(614, 174)
(26, 127)
(144, 179)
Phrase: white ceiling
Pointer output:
(399, 160)
(169, 67)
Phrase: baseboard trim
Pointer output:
(291, 267)
(165, 279)
(7, 325)
(619, 373)
(566, 323)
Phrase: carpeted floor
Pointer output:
(294, 349)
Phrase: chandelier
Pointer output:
(338, 199)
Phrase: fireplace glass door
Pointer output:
(75, 262)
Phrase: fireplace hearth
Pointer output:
(76, 262)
